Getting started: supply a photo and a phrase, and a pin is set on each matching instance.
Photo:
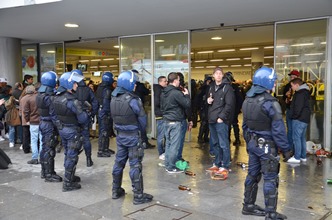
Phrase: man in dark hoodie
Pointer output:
(173, 105)
(300, 115)
(265, 133)
(221, 102)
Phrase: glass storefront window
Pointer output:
(51, 58)
(302, 46)
(29, 61)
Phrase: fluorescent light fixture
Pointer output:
(322, 42)
(108, 59)
(313, 61)
(30, 50)
(247, 58)
(96, 60)
(295, 55)
(223, 66)
(280, 63)
(231, 59)
(249, 48)
(294, 62)
(83, 61)
(118, 58)
(168, 55)
(210, 67)
(247, 65)
(191, 53)
(266, 64)
(226, 50)
(216, 60)
(269, 47)
(113, 65)
(116, 46)
(61, 62)
(71, 25)
(114, 71)
(102, 66)
(236, 65)
(313, 54)
(199, 67)
(200, 61)
(302, 45)
(51, 51)
(268, 57)
(208, 51)
(216, 38)
(280, 46)
(159, 41)
(94, 67)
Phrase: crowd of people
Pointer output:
(64, 111)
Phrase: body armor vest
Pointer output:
(65, 115)
(83, 94)
(100, 91)
(121, 111)
(42, 107)
(256, 118)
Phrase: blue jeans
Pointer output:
(184, 126)
(220, 144)
(34, 132)
(299, 139)
(173, 142)
(289, 129)
(11, 134)
(160, 136)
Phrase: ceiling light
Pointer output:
(95, 60)
(108, 59)
(247, 65)
(295, 55)
(280, 63)
(216, 38)
(51, 51)
(323, 43)
(200, 61)
(210, 66)
(83, 61)
(61, 62)
(94, 67)
(199, 67)
(191, 53)
(113, 65)
(294, 62)
(280, 46)
(223, 66)
(216, 60)
(247, 58)
(168, 55)
(226, 50)
(249, 48)
(114, 71)
(231, 59)
(269, 47)
(313, 54)
(159, 41)
(70, 25)
(266, 64)
(102, 66)
(208, 51)
(236, 65)
(268, 57)
(116, 46)
(313, 61)
(30, 50)
(301, 45)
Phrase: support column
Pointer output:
(10, 60)
(257, 59)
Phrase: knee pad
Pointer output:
(270, 166)
(136, 152)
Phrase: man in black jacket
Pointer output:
(173, 105)
(300, 116)
(221, 102)
(157, 89)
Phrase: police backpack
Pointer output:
(4, 160)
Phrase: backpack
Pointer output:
(4, 160)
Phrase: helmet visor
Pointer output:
(75, 77)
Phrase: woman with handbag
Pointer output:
(12, 118)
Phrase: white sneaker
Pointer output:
(7, 136)
(1, 138)
(11, 144)
(162, 156)
(21, 147)
(293, 160)
(303, 160)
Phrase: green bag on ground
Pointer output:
(182, 165)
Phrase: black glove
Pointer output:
(287, 155)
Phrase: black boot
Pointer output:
(50, 174)
(142, 198)
(118, 193)
(275, 216)
(42, 173)
(103, 154)
(89, 161)
(110, 151)
(69, 183)
(252, 209)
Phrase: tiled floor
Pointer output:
(303, 192)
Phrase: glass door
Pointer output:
(52, 58)
(302, 45)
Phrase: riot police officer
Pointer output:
(90, 105)
(104, 115)
(72, 118)
(47, 126)
(264, 132)
(130, 120)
